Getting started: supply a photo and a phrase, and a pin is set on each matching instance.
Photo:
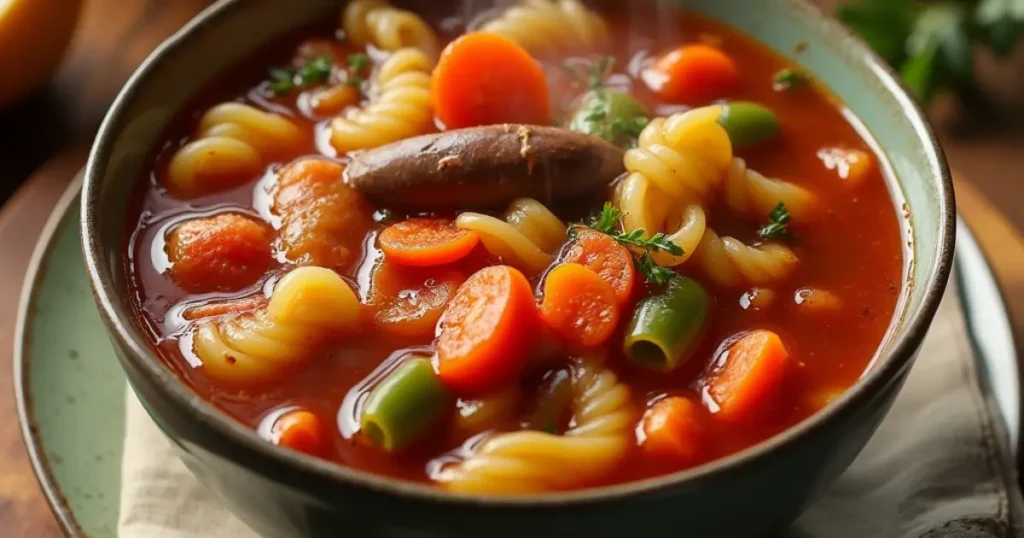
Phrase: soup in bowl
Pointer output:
(549, 266)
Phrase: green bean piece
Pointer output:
(748, 123)
(667, 325)
(406, 405)
(612, 115)
(553, 399)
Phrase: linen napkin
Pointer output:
(938, 466)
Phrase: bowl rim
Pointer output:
(885, 369)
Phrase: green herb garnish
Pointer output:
(358, 61)
(589, 74)
(281, 80)
(786, 79)
(314, 71)
(778, 222)
(607, 222)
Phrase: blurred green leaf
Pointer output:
(921, 71)
(883, 24)
(944, 25)
(999, 21)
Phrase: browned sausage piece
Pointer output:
(484, 167)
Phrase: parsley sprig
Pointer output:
(285, 79)
(786, 79)
(607, 222)
(778, 224)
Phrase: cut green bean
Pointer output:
(667, 325)
(553, 399)
(748, 123)
(405, 406)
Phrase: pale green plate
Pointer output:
(70, 387)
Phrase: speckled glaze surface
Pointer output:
(69, 385)
(283, 494)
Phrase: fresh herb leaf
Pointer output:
(359, 62)
(786, 79)
(285, 79)
(316, 70)
(282, 80)
(653, 272)
(607, 222)
(589, 74)
(778, 224)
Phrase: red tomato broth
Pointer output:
(854, 250)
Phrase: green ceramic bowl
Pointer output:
(285, 494)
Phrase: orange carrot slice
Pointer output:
(484, 79)
(579, 306)
(675, 429)
(425, 242)
(408, 301)
(225, 252)
(606, 257)
(750, 376)
(486, 331)
(693, 74)
(300, 430)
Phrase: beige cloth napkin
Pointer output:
(937, 467)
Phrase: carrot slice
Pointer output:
(579, 306)
(299, 430)
(606, 257)
(675, 429)
(750, 377)
(424, 242)
(485, 331)
(484, 79)
(408, 301)
(693, 74)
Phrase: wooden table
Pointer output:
(115, 35)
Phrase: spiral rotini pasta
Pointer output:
(730, 262)
(232, 144)
(531, 461)
(526, 236)
(546, 27)
(748, 192)
(377, 23)
(309, 306)
(400, 109)
(678, 163)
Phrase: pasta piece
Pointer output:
(731, 263)
(748, 192)
(401, 108)
(678, 163)
(525, 462)
(233, 143)
(323, 220)
(526, 236)
(310, 306)
(377, 23)
(551, 28)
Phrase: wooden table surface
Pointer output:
(114, 36)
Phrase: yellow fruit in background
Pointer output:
(33, 37)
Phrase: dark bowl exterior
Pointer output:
(279, 501)
(283, 494)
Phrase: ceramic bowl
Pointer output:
(286, 494)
